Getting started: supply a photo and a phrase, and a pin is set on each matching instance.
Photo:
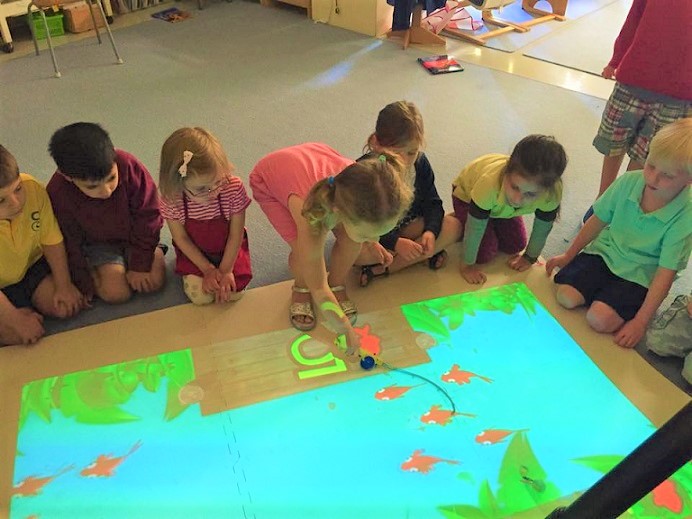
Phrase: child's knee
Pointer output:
(603, 318)
(111, 285)
(569, 297)
(192, 286)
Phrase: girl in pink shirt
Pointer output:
(308, 190)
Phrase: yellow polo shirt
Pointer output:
(481, 181)
(22, 238)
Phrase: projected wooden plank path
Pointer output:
(254, 369)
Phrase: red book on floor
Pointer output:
(441, 64)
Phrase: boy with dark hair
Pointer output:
(33, 263)
(108, 209)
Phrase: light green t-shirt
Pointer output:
(481, 181)
(635, 243)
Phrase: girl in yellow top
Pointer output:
(493, 191)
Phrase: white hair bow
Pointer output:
(182, 170)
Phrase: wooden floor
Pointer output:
(224, 364)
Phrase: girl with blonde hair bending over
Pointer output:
(424, 231)
(204, 206)
(308, 190)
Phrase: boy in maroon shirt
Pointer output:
(107, 206)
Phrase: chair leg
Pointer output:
(93, 21)
(50, 44)
(119, 60)
(30, 21)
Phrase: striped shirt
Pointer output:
(233, 197)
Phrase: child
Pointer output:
(493, 191)
(639, 237)
(204, 207)
(108, 209)
(424, 231)
(33, 262)
(308, 190)
(653, 83)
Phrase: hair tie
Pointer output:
(330, 181)
(182, 170)
(382, 158)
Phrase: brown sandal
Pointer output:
(304, 309)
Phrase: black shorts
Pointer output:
(591, 277)
(20, 293)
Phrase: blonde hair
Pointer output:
(9, 170)
(398, 124)
(208, 157)
(672, 145)
(372, 190)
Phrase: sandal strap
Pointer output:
(304, 309)
(300, 290)
(338, 288)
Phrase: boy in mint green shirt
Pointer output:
(625, 258)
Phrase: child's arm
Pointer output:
(66, 294)
(542, 225)
(433, 212)
(587, 234)
(17, 326)
(624, 39)
(146, 220)
(309, 262)
(230, 254)
(632, 332)
(476, 223)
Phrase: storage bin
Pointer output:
(55, 25)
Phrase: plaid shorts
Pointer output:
(629, 123)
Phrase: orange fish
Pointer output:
(392, 392)
(423, 464)
(492, 436)
(368, 342)
(105, 465)
(461, 377)
(439, 416)
(666, 496)
(32, 486)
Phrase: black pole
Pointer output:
(664, 452)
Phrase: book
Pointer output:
(441, 64)
(172, 15)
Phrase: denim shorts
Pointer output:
(103, 254)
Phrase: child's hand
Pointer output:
(556, 262)
(379, 251)
(519, 262)
(409, 250)
(630, 334)
(352, 344)
(689, 307)
(608, 72)
(227, 286)
(28, 325)
(210, 281)
(427, 242)
(472, 274)
(68, 298)
(139, 281)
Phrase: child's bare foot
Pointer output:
(301, 312)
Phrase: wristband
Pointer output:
(528, 258)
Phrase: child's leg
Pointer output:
(621, 118)
(511, 234)
(192, 286)
(301, 312)
(579, 281)
(489, 244)
(42, 299)
(110, 283)
(616, 302)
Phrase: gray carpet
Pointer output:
(569, 47)
(265, 78)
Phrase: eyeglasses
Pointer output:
(209, 191)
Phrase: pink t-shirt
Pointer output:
(292, 171)
(233, 199)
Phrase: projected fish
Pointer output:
(104, 466)
(461, 377)
(418, 462)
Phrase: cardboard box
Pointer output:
(78, 19)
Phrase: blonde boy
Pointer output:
(34, 278)
(636, 242)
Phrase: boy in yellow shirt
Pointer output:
(34, 278)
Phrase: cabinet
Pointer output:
(371, 17)
(305, 4)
